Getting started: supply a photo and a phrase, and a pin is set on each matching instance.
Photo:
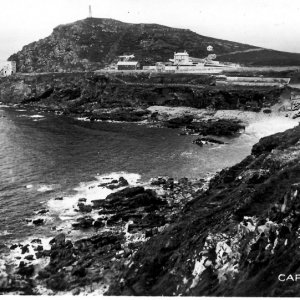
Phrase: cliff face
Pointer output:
(90, 95)
(234, 240)
(93, 43)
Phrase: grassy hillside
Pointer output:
(92, 43)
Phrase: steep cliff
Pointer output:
(92, 43)
(240, 238)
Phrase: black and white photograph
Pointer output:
(150, 148)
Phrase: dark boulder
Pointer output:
(98, 203)
(79, 271)
(125, 193)
(13, 247)
(38, 222)
(25, 249)
(84, 223)
(57, 282)
(59, 239)
(179, 121)
(158, 181)
(84, 208)
(29, 257)
(36, 241)
(25, 270)
(117, 184)
(82, 200)
(99, 223)
(207, 141)
(42, 211)
(224, 127)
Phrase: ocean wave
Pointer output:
(32, 116)
(46, 188)
(65, 208)
(269, 126)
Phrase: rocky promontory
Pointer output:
(239, 238)
(126, 97)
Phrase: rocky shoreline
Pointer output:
(169, 237)
(126, 219)
(233, 240)
(219, 237)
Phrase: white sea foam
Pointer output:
(268, 126)
(36, 116)
(45, 188)
(85, 119)
(65, 208)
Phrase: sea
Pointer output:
(44, 156)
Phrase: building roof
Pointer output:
(127, 63)
(181, 53)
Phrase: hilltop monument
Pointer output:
(90, 11)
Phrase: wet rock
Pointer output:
(25, 249)
(82, 200)
(223, 127)
(133, 197)
(13, 247)
(38, 222)
(59, 198)
(267, 111)
(84, 208)
(25, 270)
(125, 193)
(39, 248)
(43, 211)
(36, 241)
(59, 239)
(29, 257)
(158, 181)
(205, 141)
(84, 223)
(183, 181)
(105, 238)
(179, 121)
(79, 271)
(99, 223)
(42, 274)
(57, 282)
(121, 183)
(98, 203)
(114, 220)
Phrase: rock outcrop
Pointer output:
(126, 97)
(233, 240)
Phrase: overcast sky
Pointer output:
(268, 23)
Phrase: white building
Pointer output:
(7, 68)
(128, 65)
(181, 59)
